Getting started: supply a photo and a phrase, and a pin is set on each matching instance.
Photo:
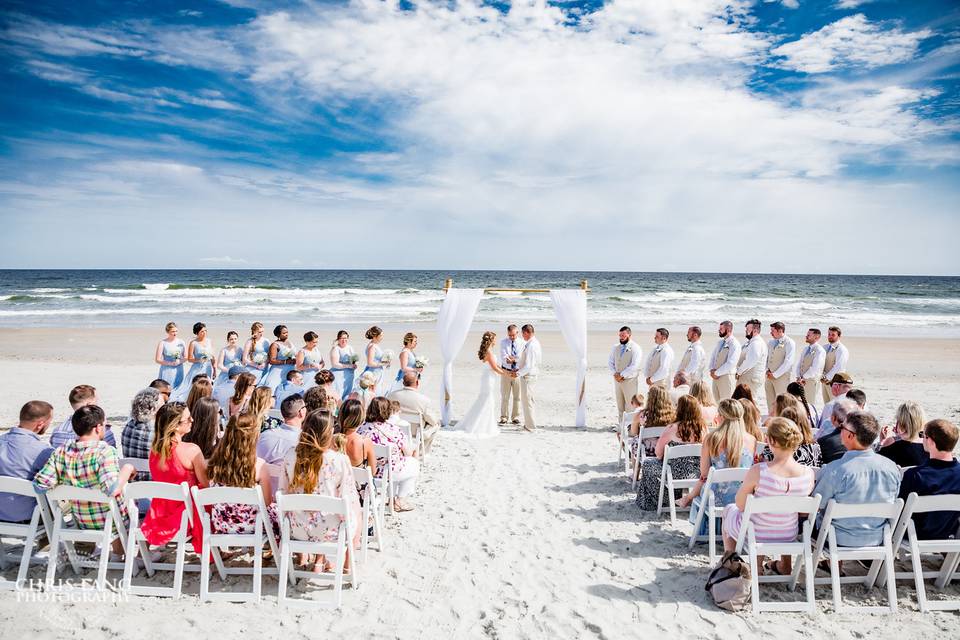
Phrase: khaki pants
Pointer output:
(775, 387)
(509, 387)
(756, 386)
(810, 389)
(624, 392)
(529, 401)
(661, 383)
(723, 387)
(825, 392)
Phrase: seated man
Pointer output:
(292, 385)
(412, 401)
(22, 454)
(223, 392)
(90, 463)
(858, 396)
(839, 385)
(81, 395)
(861, 476)
(831, 444)
(274, 444)
(937, 476)
(163, 388)
(681, 386)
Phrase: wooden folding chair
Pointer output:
(416, 431)
(646, 433)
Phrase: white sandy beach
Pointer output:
(523, 536)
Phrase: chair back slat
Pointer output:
(78, 494)
(17, 486)
(287, 502)
(152, 489)
(682, 451)
(227, 495)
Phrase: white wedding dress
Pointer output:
(481, 420)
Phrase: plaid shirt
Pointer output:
(136, 440)
(89, 465)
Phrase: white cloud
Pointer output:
(224, 260)
(851, 4)
(852, 41)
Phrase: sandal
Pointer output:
(401, 506)
(772, 566)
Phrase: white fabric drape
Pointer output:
(570, 305)
(453, 323)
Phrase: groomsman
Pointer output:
(836, 361)
(753, 359)
(659, 361)
(624, 364)
(694, 359)
(810, 367)
(723, 362)
(781, 352)
(510, 349)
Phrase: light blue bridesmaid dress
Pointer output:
(277, 373)
(311, 358)
(262, 347)
(411, 361)
(231, 358)
(376, 371)
(205, 365)
(343, 376)
(171, 373)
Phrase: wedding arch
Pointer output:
(456, 317)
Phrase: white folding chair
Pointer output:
(646, 433)
(384, 484)
(288, 503)
(881, 556)
(68, 533)
(624, 432)
(137, 543)
(213, 542)
(667, 481)
(31, 532)
(710, 510)
(142, 465)
(416, 429)
(780, 505)
(946, 551)
(372, 509)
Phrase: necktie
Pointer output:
(623, 349)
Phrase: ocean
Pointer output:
(873, 305)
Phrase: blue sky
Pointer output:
(691, 135)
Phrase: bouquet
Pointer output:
(286, 353)
(204, 354)
(353, 358)
(259, 357)
(420, 363)
(367, 381)
(176, 354)
(386, 358)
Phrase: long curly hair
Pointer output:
(691, 426)
(315, 438)
(165, 429)
(234, 460)
(792, 412)
(488, 339)
(659, 411)
(702, 392)
(260, 404)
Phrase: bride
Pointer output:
(481, 419)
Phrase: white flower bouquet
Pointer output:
(176, 354)
(286, 353)
(367, 380)
(386, 358)
(259, 357)
(420, 363)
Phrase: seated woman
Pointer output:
(405, 467)
(796, 390)
(658, 412)
(905, 445)
(782, 476)
(688, 429)
(718, 447)
(261, 401)
(808, 452)
(359, 449)
(201, 388)
(315, 467)
(743, 392)
(242, 390)
(137, 436)
(751, 418)
(205, 431)
(174, 460)
(708, 406)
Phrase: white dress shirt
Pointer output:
(755, 355)
(730, 366)
(513, 349)
(532, 356)
(636, 354)
(697, 362)
(840, 364)
(790, 353)
(666, 362)
(816, 369)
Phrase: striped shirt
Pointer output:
(779, 527)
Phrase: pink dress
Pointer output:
(771, 527)
(163, 519)
(335, 480)
(384, 433)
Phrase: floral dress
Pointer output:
(335, 480)
(384, 433)
(684, 468)
(241, 519)
(807, 454)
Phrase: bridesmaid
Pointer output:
(408, 360)
(282, 358)
(169, 356)
(343, 364)
(309, 359)
(376, 363)
(255, 351)
(230, 356)
(200, 357)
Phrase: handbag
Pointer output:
(729, 582)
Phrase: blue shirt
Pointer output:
(274, 444)
(933, 478)
(222, 394)
(64, 433)
(285, 390)
(22, 454)
(859, 477)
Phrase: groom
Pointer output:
(528, 372)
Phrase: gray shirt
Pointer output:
(22, 454)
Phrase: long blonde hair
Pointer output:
(485, 342)
(751, 418)
(910, 419)
(234, 460)
(728, 437)
(702, 393)
(792, 412)
(315, 437)
(260, 403)
(659, 411)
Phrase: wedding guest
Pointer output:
(836, 359)
(405, 466)
(859, 396)
(242, 390)
(314, 467)
(813, 414)
(317, 398)
(205, 430)
(751, 367)
(412, 401)
(808, 451)
(751, 419)
(624, 365)
(658, 412)
(743, 392)
(694, 359)
(82, 395)
(905, 444)
(831, 444)
(681, 387)
(840, 384)
(810, 367)
(170, 356)
(87, 462)
(256, 352)
(274, 444)
(657, 369)
(780, 476)
(200, 356)
(202, 388)
(376, 359)
(137, 435)
(860, 476)
(510, 349)
(408, 360)
(163, 388)
(708, 406)
(223, 392)
(781, 352)
(724, 360)
(309, 360)
(939, 475)
(22, 454)
(689, 428)
(259, 406)
(358, 448)
(174, 460)
(343, 364)
(229, 357)
(636, 422)
(293, 385)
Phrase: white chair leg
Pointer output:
(105, 550)
(834, 571)
(809, 577)
(712, 536)
(891, 576)
(178, 570)
(205, 571)
(54, 554)
(754, 574)
(28, 543)
(284, 572)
